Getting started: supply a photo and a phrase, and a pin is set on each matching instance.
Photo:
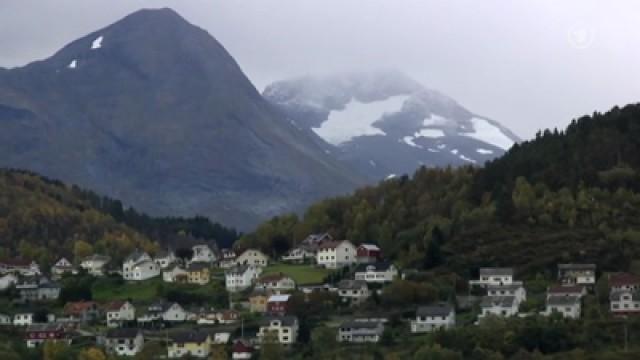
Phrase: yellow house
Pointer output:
(198, 273)
(191, 343)
(258, 301)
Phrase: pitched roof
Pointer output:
(97, 257)
(577, 267)
(114, 305)
(506, 287)
(496, 271)
(123, 333)
(439, 309)
(135, 256)
(360, 324)
(272, 278)
(369, 247)
(16, 262)
(189, 337)
(559, 300)
(197, 266)
(241, 346)
(78, 307)
(623, 279)
(285, 320)
(351, 284)
(379, 266)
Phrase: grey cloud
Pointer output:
(529, 65)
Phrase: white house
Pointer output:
(118, 312)
(284, 329)
(380, 272)
(22, 319)
(124, 342)
(5, 319)
(7, 281)
(275, 282)
(568, 306)
(493, 276)
(203, 253)
(577, 274)
(139, 266)
(353, 291)
(514, 289)
(227, 259)
(503, 306)
(253, 257)
(299, 254)
(173, 312)
(61, 267)
(433, 317)
(360, 331)
(164, 259)
(336, 254)
(625, 302)
(241, 277)
(19, 267)
(95, 264)
(169, 274)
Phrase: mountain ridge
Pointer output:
(154, 111)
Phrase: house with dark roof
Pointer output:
(433, 317)
(189, 343)
(623, 281)
(573, 290)
(19, 267)
(165, 258)
(515, 289)
(625, 302)
(577, 274)
(353, 291)
(198, 273)
(124, 341)
(33, 289)
(242, 350)
(360, 331)
(281, 329)
(37, 334)
(502, 306)
(568, 306)
(275, 282)
(61, 267)
(376, 273)
(368, 253)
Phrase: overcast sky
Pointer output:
(528, 64)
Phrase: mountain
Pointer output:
(154, 111)
(565, 196)
(385, 123)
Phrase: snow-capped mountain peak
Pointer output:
(391, 119)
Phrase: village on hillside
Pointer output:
(203, 300)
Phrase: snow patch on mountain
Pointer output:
(489, 133)
(73, 64)
(484, 151)
(467, 159)
(97, 43)
(409, 141)
(357, 118)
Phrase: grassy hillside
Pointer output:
(564, 196)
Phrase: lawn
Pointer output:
(302, 274)
(106, 289)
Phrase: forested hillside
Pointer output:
(42, 219)
(564, 196)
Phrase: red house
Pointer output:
(368, 253)
(278, 304)
(39, 333)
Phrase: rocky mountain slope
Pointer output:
(154, 111)
(385, 123)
